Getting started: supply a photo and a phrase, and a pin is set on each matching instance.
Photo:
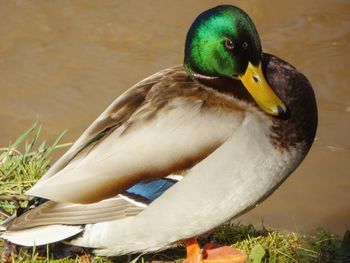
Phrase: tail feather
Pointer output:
(42, 235)
(6, 222)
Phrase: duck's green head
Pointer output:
(223, 42)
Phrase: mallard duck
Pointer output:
(180, 152)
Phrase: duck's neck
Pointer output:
(296, 91)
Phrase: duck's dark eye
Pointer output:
(229, 44)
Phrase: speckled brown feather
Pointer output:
(114, 116)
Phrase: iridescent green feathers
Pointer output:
(205, 50)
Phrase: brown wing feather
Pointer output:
(114, 116)
(51, 213)
(167, 123)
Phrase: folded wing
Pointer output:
(163, 125)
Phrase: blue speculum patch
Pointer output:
(151, 190)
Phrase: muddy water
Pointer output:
(63, 62)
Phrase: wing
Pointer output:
(114, 116)
(51, 221)
(128, 204)
(174, 123)
(51, 213)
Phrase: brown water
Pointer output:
(63, 62)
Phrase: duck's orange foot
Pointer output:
(213, 253)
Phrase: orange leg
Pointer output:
(212, 253)
(193, 251)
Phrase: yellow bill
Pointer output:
(256, 84)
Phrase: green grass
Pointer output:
(23, 162)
